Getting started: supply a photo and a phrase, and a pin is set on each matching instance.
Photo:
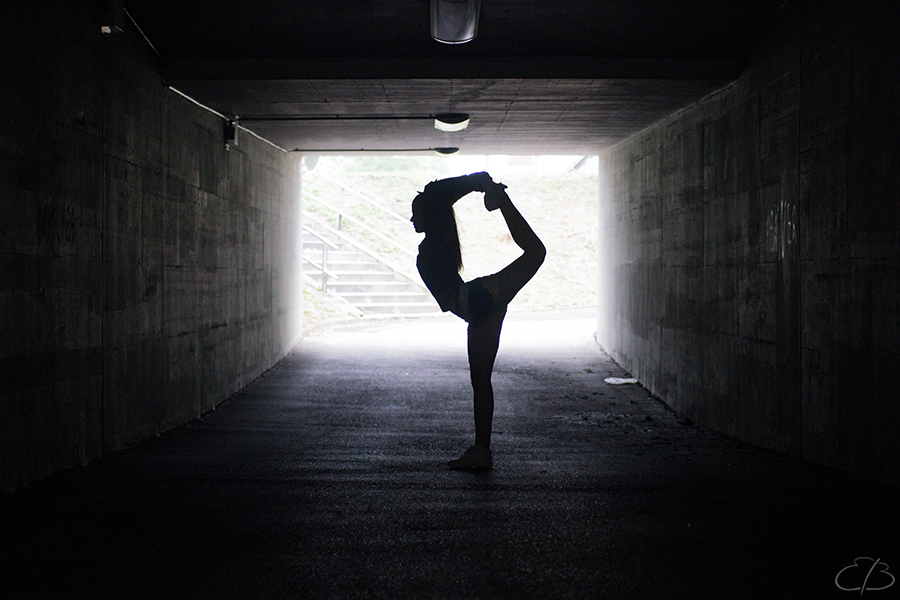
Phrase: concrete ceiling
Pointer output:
(542, 76)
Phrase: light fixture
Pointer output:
(454, 21)
(231, 133)
(443, 151)
(443, 122)
(451, 121)
(114, 19)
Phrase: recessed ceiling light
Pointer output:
(454, 21)
(451, 121)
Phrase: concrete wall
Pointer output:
(750, 245)
(146, 273)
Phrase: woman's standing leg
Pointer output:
(483, 342)
(484, 338)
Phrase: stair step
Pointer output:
(387, 308)
(342, 286)
(365, 282)
(351, 255)
(367, 276)
(370, 276)
(348, 256)
(363, 298)
(343, 267)
(313, 242)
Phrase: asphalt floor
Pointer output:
(327, 478)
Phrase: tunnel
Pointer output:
(167, 429)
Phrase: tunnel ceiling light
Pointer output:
(451, 122)
(443, 122)
(443, 150)
(454, 21)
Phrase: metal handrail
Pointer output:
(363, 197)
(325, 245)
(320, 268)
(377, 234)
(320, 238)
(412, 276)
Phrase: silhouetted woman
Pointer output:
(481, 302)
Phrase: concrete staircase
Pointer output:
(360, 276)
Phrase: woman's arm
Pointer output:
(453, 188)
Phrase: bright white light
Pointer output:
(451, 127)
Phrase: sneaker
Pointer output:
(492, 196)
(475, 458)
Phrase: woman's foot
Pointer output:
(475, 458)
(493, 194)
(480, 181)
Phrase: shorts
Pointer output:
(478, 301)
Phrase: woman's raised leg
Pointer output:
(514, 276)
